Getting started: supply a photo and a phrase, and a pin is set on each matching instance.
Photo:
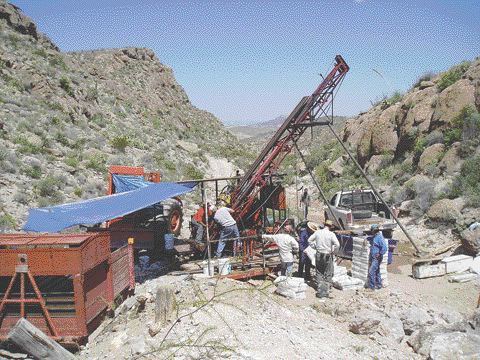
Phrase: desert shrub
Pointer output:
(434, 137)
(425, 77)
(98, 119)
(62, 139)
(66, 85)
(420, 145)
(92, 94)
(35, 171)
(120, 143)
(392, 100)
(452, 75)
(26, 147)
(424, 195)
(97, 162)
(57, 61)
(72, 161)
(78, 192)
(469, 180)
(7, 222)
(40, 52)
(465, 126)
(21, 197)
(48, 186)
(55, 120)
(190, 172)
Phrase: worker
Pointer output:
(287, 246)
(326, 244)
(199, 221)
(305, 229)
(305, 203)
(228, 228)
(377, 250)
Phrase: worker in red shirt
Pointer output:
(199, 221)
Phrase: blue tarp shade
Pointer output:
(124, 183)
(93, 211)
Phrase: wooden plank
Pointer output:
(164, 307)
(31, 340)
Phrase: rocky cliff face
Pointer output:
(64, 117)
(424, 145)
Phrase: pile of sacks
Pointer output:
(360, 261)
(290, 287)
(342, 281)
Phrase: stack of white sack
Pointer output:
(290, 287)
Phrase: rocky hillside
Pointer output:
(64, 117)
(421, 147)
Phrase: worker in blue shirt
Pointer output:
(377, 250)
(304, 230)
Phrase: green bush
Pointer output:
(420, 145)
(465, 126)
(72, 161)
(7, 222)
(57, 61)
(469, 180)
(120, 142)
(48, 186)
(451, 76)
(392, 100)
(62, 139)
(78, 192)
(66, 85)
(26, 147)
(97, 162)
(40, 52)
(190, 172)
(35, 172)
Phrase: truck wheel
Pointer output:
(175, 219)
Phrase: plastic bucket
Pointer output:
(224, 267)
(205, 268)
(169, 241)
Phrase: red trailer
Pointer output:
(62, 283)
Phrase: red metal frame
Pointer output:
(283, 141)
(97, 275)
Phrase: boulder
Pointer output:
(365, 322)
(475, 266)
(384, 133)
(446, 211)
(336, 168)
(393, 327)
(420, 111)
(471, 241)
(451, 162)
(455, 345)
(406, 207)
(426, 84)
(421, 340)
(451, 101)
(415, 318)
(376, 163)
(430, 156)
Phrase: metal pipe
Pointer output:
(319, 188)
(204, 195)
(419, 252)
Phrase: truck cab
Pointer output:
(356, 210)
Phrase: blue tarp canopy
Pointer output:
(94, 211)
(124, 183)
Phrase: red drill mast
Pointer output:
(269, 160)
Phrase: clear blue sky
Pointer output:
(250, 61)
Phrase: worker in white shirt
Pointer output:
(287, 245)
(326, 244)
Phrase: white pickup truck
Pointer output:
(358, 209)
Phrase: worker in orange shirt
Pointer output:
(199, 221)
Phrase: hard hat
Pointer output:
(328, 223)
(374, 227)
(312, 226)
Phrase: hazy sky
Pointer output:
(250, 61)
